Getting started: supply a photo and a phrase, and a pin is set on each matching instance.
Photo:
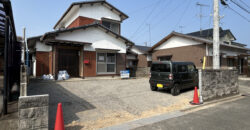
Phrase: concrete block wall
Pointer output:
(219, 83)
(142, 71)
(33, 112)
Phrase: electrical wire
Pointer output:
(142, 9)
(238, 13)
(244, 3)
(151, 12)
(184, 12)
(157, 24)
(237, 4)
(155, 17)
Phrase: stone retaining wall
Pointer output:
(143, 72)
(219, 83)
(33, 112)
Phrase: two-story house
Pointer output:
(87, 42)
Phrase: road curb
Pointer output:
(213, 102)
(157, 118)
(144, 121)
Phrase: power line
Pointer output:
(145, 20)
(245, 3)
(163, 18)
(184, 12)
(238, 13)
(167, 4)
(142, 9)
(240, 6)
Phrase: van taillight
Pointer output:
(170, 76)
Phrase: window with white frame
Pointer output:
(106, 63)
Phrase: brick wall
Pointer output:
(142, 61)
(44, 63)
(187, 53)
(89, 70)
(143, 72)
(80, 21)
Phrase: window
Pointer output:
(160, 67)
(230, 62)
(165, 58)
(182, 68)
(115, 27)
(106, 63)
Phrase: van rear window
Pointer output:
(160, 67)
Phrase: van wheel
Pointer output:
(175, 90)
(153, 88)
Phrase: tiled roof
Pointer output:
(208, 33)
(143, 48)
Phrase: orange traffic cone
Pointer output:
(59, 125)
(196, 98)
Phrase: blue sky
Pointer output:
(163, 17)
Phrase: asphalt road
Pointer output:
(228, 116)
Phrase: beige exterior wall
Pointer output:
(187, 53)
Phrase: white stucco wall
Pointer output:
(135, 50)
(34, 65)
(176, 41)
(97, 11)
(73, 14)
(42, 47)
(224, 51)
(97, 37)
(149, 57)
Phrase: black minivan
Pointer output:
(173, 76)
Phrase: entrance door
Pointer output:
(68, 60)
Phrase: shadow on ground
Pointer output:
(71, 103)
(169, 92)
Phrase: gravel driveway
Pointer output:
(92, 104)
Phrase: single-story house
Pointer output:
(139, 54)
(194, 46)
(138, 59)
(87, 42)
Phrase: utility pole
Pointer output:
(23, 48)
(200, 15)
(216, 37)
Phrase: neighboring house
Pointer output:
(194, 46)
(86, 42)
(138, 59)
(143, 57)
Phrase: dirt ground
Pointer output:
(93, 104)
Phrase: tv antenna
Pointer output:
(181, 28)
(201, 15)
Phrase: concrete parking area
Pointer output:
(99, 103)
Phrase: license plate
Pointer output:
(159, 85)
